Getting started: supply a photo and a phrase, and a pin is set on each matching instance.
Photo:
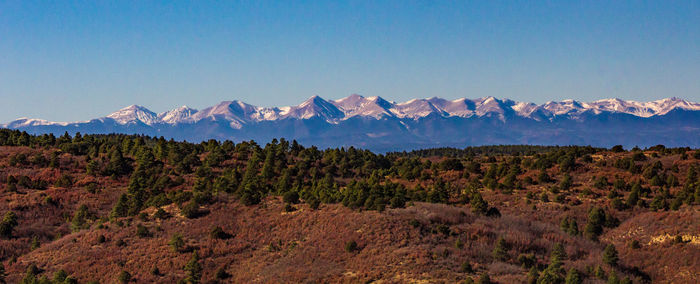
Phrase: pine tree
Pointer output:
(177, 243)
(533, 275)
(124, 277)
(8, 224)
(596, 220)
(612, 278)
(193, 269)
(559, 252)
(79, 219)
(121, 209)
(573, 277)
(610, 255)
(268, 165)
(478, 203)
(500, 251)
(3, 274)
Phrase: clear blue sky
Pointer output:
(66, 60)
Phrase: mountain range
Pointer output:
(377, 124)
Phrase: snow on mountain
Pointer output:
(356, 105)
(177, 115)
(525, 109)
(238, 113)
(315, 107)
(416, 108)
(134, 114)
(459, 107)
(235, 112)
(565, 107)
(643, 109)
(28, 122)
(492, 106)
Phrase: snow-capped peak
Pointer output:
(356, 105)
(237, 113)
(134, 114)
(177, 115)
(315, 106)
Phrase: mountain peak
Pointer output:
(134, 114)
(237, 112)
(315, 106)
(178, 115)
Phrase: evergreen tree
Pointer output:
(8, 224)
(193, 269)
(559, 252)
(121, 208)
(3, 274)
(79, 219)
(573, 277)
(596, 220)
(117, 165)
(612, 278)
(177, 243)
(124, 277)
(268, 165)
(533, 275)
(610, 255)
(500, 251)
(478, 204)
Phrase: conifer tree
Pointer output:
(193, 269)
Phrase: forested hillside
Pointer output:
(127, 208)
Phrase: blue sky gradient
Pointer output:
(73, 60)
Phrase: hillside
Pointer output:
(99, 207)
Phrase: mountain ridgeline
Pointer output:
(380, 125)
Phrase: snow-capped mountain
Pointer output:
(374, 122)
(134, 114)
(177, 115)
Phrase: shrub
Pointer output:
(466, 267)
(190, 210)
(573, 277)
(124, 277)
(161, 214)
(142, 231)
(218, 233)
(155, 271)
(314, 203)
(60, 276)
(351, 246)
(177, 243)
(484, 279)
(291, 197)
(527, 260)
(599, 272)
(35, 243)
(221, 273)
(289, 208)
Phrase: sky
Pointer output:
(76, 60)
